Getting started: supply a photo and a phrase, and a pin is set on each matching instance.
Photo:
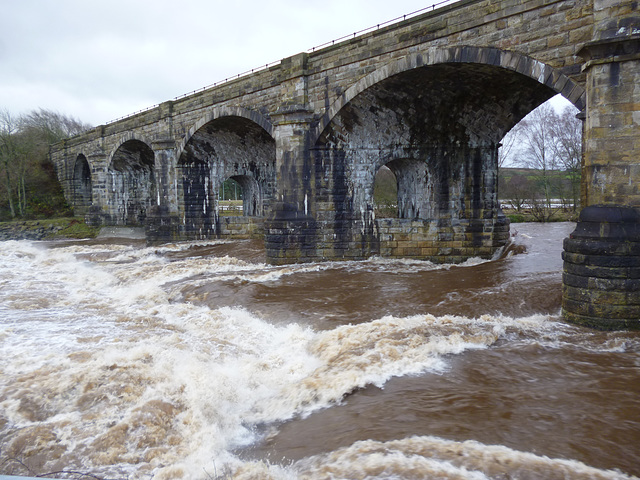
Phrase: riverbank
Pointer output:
(47, 229)
(526, 215)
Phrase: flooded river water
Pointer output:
(198, 360)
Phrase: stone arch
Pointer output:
(437, 119)
(490, 56)
(443, 113)
(225, 111)
(82, 185)
(128, 137)
(223, 145)
(131, 182)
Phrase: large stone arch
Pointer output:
(131, 184)
(490, 56)
(437, 119)
(226, 143)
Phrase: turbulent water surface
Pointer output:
(197, 360)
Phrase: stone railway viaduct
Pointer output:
(430, 97)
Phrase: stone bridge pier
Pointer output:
(601, 282)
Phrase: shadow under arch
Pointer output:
(221, 112)
(516, 62)
(82, 186)
(131, 181)
(128, 137)
(228, 142)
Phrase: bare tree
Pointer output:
(507, 154)
(53, 126)
(568, 149)
(24, 162)
(518, 190)
(550, 144)
(9, 155)
(538, 150)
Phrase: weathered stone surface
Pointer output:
(602, 256)
(430, 97)
(601, 281)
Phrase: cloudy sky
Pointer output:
(100, 60)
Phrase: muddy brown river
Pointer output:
(198, 360)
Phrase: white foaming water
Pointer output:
(106, 369)
(430, 457)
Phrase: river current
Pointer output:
(197, 360)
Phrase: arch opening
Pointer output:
(540, 164)
(385, 193)
(402, 190)
(242, 196)
(133, 185)
(82, 186)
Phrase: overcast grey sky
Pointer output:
(99, 60)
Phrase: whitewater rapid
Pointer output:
(108, 367)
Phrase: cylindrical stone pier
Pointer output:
(601, 286)
(601, 279)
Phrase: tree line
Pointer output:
(548, 144)
(29, 187)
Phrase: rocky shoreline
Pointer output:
(27, 232)
(46, 229)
